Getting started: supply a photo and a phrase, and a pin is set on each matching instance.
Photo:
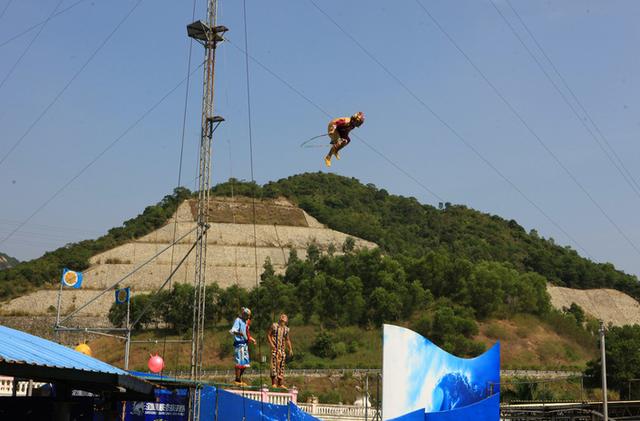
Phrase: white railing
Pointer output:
(317, 372)
(6, 386)
(263, 395)
(338, 412)
(541, 374)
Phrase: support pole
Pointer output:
(366, 396)
(605, 409)
(208, 34)
(378, 416)
(58, 306)
(127, 343)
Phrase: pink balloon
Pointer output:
(156, 363)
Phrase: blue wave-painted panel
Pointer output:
(486, 410)
(419, 375)
(411, 416)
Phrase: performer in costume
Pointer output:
(241, 339)
(278, 336)
(338, 132)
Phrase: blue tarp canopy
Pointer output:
(27, 356)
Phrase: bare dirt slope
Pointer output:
(610, 305)
(527, 342)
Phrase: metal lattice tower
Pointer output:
(208, 34)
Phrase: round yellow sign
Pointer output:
(70, 278)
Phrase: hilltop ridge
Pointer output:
(7, 261)
(398, 225)
(404, 225)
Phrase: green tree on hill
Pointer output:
(623, 360)
(402, 225)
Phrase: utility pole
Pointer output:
(603, 360)
(207, 34)
(127, 341)
(366, 396)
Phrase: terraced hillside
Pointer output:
(280, 227)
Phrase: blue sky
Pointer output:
(592, 43)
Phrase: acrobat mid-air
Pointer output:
(338, 132)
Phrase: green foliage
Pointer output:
(565, 325)
(332, 397)
(118, 312)
(235, 187)
(401, 225)
(623, 358)
(173, 308)
(577, 312)
(525, 389)
(451, 327)
(366, 287)
(176, 307)
(495, 331)
(225, 349)
(323, 346)
(230, 302)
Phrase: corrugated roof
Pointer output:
(23, 348)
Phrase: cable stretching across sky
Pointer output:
(32, 27)
(97, 157)
(619, 165)
(29, 45)
(530, 129)
(326, 113)
(452, 130)
(68, 84)
(4, 10)
(514, 186)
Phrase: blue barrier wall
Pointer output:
(216, 405)
(235, 407)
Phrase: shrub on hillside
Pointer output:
(323, 346)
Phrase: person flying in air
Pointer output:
(338, 130)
